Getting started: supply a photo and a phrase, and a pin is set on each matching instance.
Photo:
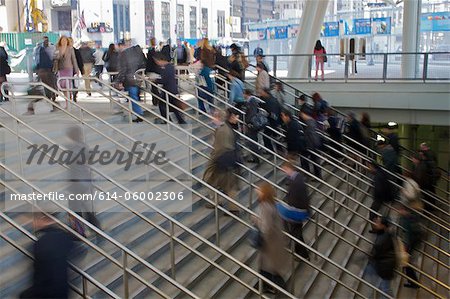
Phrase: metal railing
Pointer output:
(365, 66)
(218, 193)
(85, 278)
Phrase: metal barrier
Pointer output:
(382, 67)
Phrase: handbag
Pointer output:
(256, 238)
(292, 214)
(325, 59)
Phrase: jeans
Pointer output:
(205, 73)
(372, 278)
(305, 163)
(133, 92)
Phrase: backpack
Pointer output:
(259, 120)
(45, 62)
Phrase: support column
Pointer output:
(411, 38)
(310, 26)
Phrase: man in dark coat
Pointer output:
(152, 67)
(313, 141)
(273, 108)
(295, 139)
(169, 82)
(382, 259)
(251, 110)
(51, 253)
(382, 190)
(297, 197)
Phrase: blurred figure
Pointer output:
(428, 152)
(382, 260)
(51, 254)
(353, 132)
(262, 79)
(208, 60)
(389, 157)
(44, 54)
(258, 51)
(167, 51)
(392, 137)
(335, 132)
(111, 59)
(225, 156)
(190, 57)
(411, 234)
(251, 111)
(300, 102)
(273, 261)
(423, 169)
(382, 190)
(131, 59)
(222, 62)
(99, 63)
(295, 139)
(67, 64)
(297, 197)
(273, 109)
(80, 67)
(181, 53)
(319, 53)
(365, 129)
(4, 69)
(260, 59)
(320, 107)
(80, 178)
(279, 93)
(169, 83)
(87, 55)
(237, 61)
(153, 68)
(236, 96)
(410, 192)
(313, 141)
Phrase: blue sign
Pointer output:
(281, 32)
(381, 25)
(436, 21)
(362, 26)
(330, 29)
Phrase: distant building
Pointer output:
(249, 11)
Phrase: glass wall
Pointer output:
(220, 23)
(165, 20)
(180, 21)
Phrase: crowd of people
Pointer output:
(262, 111)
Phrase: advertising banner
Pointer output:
(436, 21)
(381, 25)
(362, 26)
(330, 29)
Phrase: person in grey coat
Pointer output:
(313, 141)
(273, 260)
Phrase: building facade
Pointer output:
(249, 11)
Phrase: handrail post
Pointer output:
(348, 190)
(130, 113)
(316, 234)
(167, 112)
(172, 249)
(125, 275)
(84, 290)
(425, 67)
(334, 209)
(292, 278)
(250, 202)
(216, 215)
(385, 63)
(346, 68)
(275, 65)
(309, 68)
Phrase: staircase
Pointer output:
(203, 253)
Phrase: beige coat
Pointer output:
(224, 140)
(262, 82)
(272, 257)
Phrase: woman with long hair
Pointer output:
(208, 60)
(111, 59)
(319, 53)
(65, 64)
(272, 256)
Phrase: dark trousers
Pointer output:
(47, 77)
(253, 135)
(409, 271)
(268, 141)
(305, 163)
(275, 278)
(376, 206)
(98, 69)
(163, 110)
(296, 230)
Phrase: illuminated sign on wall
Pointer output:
(100, 27)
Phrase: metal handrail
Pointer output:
(84, 275)
(352, 199)
(223, 195)
(435, 196)
(261, 278)
(297, 92)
